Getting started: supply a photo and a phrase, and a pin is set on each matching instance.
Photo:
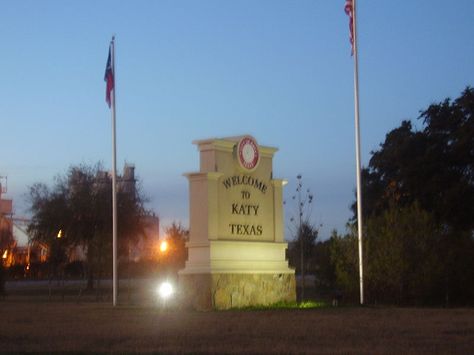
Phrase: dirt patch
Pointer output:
(69, 326)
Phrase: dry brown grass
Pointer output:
(98, 327)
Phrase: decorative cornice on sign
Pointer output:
(227, 144)
(211, 175)
(215, 144)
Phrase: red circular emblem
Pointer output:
(247, 153)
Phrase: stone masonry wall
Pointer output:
(224, 291)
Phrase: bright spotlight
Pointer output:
(165, 290)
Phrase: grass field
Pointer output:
(98, 327)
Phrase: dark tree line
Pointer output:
(433, 166)
(418, 204)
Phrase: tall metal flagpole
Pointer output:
(358, 160)
(114, 181)
(350, 9)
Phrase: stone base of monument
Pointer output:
(225, 291)
(234, 274)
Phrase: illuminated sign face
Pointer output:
(248, 155)
(245, 195)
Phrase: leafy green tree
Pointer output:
(401, 256)
(344, 261)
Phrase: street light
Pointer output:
(163, 246)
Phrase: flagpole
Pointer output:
(114, 182)
(358, 160)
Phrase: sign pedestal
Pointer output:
(236, 249)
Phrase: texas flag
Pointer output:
(109, 79)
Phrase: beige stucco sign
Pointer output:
(236, 226)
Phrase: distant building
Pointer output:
(25, 251)
(6, 229)
(145, 247)
(15, 245)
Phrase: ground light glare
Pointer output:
(165, 290)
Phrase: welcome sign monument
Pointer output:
(236, 247)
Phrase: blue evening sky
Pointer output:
(187, 69)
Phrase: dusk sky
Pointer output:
(186, 70)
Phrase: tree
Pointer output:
(80, 206)
(418, 193)
(344, 261)
(304, 232)
(434, 166)
(403, 264)
(324, 269)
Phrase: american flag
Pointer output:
(349, 9)
(109, 79)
